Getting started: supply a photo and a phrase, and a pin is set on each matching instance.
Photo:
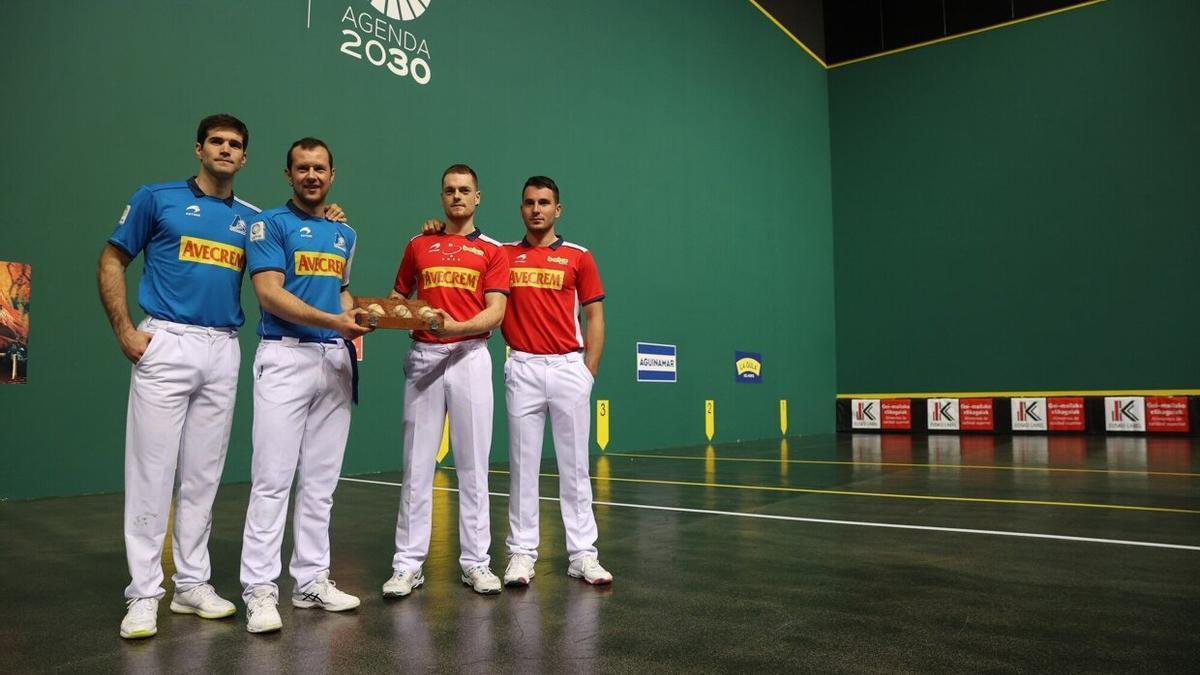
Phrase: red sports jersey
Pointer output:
(452, 272)
(549, 285)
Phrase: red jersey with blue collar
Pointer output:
(549, 286)
(452, 272)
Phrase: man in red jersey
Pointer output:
(465, 274)
(552, 367)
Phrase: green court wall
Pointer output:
(1016, 210)
(691, 142)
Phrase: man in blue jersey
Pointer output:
(304, 382)
(185, 357)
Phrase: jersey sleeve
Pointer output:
(349, 264)
(406, 275)
(264, 247)
(588, 282)
(136, 225)
(495, 277)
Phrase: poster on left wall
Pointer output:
(14, 322)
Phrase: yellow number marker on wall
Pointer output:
(783, 416)
(709, 415)
(445, 446)
(602, 423)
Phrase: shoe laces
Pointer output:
(203, 592)
(480, 571)
(590, 564)
(521, 560)
(142, 606)
(260, 599)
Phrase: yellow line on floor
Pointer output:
(907, 464)
(889, 495)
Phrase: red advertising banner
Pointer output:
(896, 413)
(1065, 414)
(1167, 413)
(976, 414)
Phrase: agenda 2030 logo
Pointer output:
(373, 37)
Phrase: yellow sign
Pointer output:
(533, 277)
(449, 277)
(602, 423)
(783, 416)
(749, 366)
(709, 418)
(208, 252)
(319, 264)
(445, 446)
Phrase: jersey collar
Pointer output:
(198, 193)
(553, 246)
(475, 234)
(299, 212)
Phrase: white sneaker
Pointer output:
(202, 601)
(481, 580)
(141, 620)
(262, 616)
(324, 593)
(402, 583)
(519, 571)
(589, 569)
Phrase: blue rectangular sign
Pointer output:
(747, 367)
(655, 362)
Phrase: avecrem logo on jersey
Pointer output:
(532, 277)
(450, 277)
(369, 35)
(208, 252)
(314, 263)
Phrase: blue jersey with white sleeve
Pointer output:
(314, 255)
(193, 245)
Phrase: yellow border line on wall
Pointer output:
(789, 34)
(921, 44)
(1028, 394)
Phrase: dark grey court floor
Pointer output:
(847, 553)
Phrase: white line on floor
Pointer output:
(852, 523)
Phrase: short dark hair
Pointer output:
(222, 121)
(461, 168)
(542, 182)
(309, 143)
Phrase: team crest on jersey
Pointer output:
(258, 231)
(238, 226)
(193, 210)
(339, 242)
(124, 214)
(306, 232)
(532, 277)
(559, 260)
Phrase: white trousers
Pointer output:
(562, 385)
(456, 379)
(302, 394)
(181, 400)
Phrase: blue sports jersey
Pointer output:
(314, 255)
(194, 252)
